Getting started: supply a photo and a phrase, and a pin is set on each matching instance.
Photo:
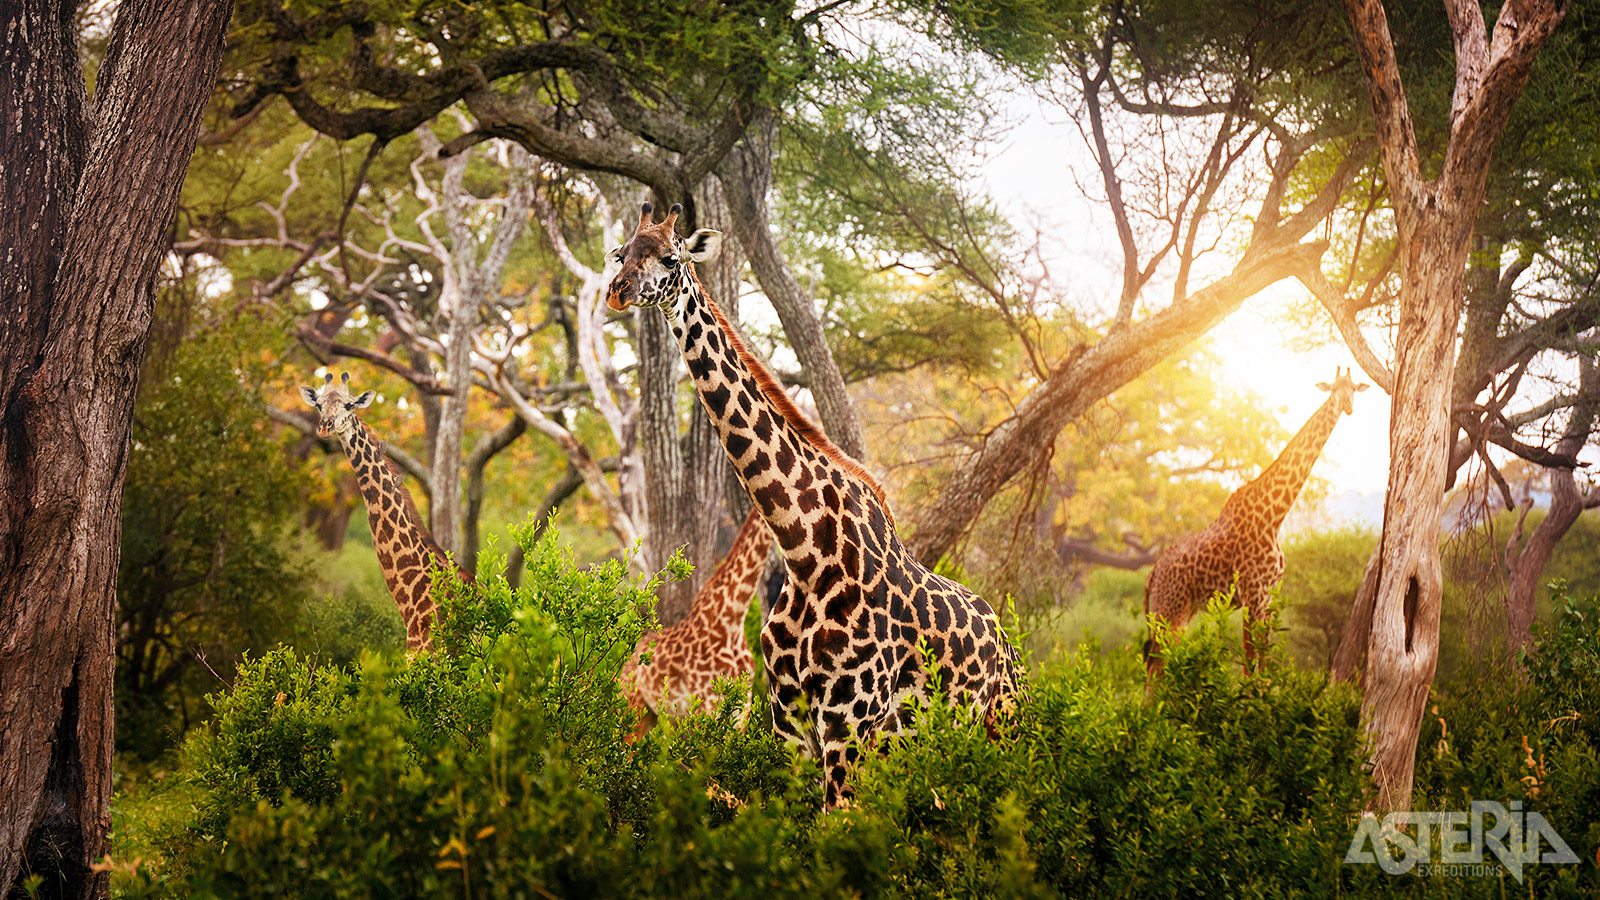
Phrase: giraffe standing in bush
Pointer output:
(686, 659)
(405, 548)
(844, 645)
(1242, 543)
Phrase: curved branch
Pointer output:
(307, 426)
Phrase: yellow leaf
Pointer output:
(484, 832)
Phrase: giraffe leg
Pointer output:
(838, 758)
(787, 723)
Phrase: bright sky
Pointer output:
(1032, 178)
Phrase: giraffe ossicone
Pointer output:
(1239, 551)
(406, 550)
(844, 646)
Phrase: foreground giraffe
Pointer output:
(686, 659)
(844, 644)
(1243, 542)
(405, 548)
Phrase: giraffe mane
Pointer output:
(779, 398)
(408, 506)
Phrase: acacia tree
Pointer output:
(1434, 219)
(1175, 129)
(88, 187)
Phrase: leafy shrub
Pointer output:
(497, 769)
(272, 736)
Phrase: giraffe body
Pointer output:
(687, 659)
(843, 647)
(405, 548)
(1240, 549)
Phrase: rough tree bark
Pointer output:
(1434, 221)
(88, 191)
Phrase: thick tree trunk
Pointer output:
(1403, 646)
(88, 198)
(1434, 220)
(444, 503)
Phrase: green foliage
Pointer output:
(315, 781)
(1321, 572)
(272, 736)
(1564, 665)
(208, 508)
(1105, 616)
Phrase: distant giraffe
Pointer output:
(1243, 541)
(405, 548)
(844, 645)
(706, 645)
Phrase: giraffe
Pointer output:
(405, 548)
(1242, 543)
(859, 627)
(708, 644)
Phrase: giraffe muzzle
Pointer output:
(621, 296)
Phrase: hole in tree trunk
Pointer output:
(55, 847)
(1413, 588)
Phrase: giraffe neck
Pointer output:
(799, 481)
(1267, 499)
(404, 547)
(719, 606)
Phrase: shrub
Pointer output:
(497, 769)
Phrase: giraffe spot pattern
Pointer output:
(1239, 550)
(842, 645)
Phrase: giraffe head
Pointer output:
(336, 409)
(652, 263)
(1343, 388)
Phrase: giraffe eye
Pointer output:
(670, 262)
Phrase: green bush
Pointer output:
(496, 768)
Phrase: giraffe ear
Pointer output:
(308, 395)
(364, 400)
(1324, 386)
(703, 244)
(1361, 387)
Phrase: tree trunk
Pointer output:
(1353, 643)
(684, 472)
(745, 174)
(1526, 565)
(1434, 220)
(88, 196)
(444, 504)
(1403, 646)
